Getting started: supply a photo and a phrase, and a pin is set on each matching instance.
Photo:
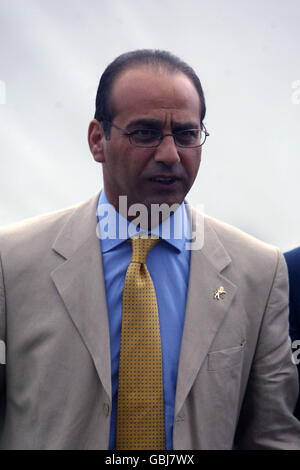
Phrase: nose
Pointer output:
(167, 152)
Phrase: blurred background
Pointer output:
(246, 53)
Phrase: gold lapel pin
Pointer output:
(219, 292)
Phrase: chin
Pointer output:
(169, 200)
(158, 201)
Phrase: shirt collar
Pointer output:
(175, 230)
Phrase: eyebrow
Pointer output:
(157, 124)
(145, 122)
(186, 125)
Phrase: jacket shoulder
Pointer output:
(235, 239)
(250, 257)
(33, 228)
(39, 232)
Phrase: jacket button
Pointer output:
(106, 409)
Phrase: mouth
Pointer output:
(164, 180)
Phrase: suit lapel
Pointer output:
(80, 284)
(204, 313)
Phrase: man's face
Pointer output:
(143, 99)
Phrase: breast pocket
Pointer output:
(225, 358)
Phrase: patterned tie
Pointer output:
(140, 415)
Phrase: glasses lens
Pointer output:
(189, 138)
(145, 137)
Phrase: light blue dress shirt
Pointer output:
(168, 263)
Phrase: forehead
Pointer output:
(156, 93)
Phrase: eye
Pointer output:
(144, 135)
(144, 132)
(192, 133)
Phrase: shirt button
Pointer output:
(106, 409)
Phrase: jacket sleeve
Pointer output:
(266, 419)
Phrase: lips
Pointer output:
(165, 180)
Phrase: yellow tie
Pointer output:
(140, 415)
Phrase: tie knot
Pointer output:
(141, 246)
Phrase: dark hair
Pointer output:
(147, 57)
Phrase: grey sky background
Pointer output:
(246, 53)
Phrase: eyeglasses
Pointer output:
(150, 138)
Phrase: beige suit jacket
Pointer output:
(236, 385)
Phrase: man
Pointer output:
(213, 365)
(293, 262)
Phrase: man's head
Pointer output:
(154, 59)
(149, 92)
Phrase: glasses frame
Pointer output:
(160, 137)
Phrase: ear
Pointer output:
(96, 140)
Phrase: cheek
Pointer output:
(192, 166)
(136, 162)
(116, 160)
